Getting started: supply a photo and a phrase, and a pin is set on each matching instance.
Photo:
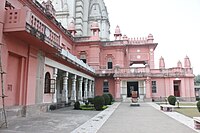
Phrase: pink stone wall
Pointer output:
(14, 64)
(165, 87)
(99, 86)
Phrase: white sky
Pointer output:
(175, 25)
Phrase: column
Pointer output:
(54, 77)
(65, 87)
(73, 93)
(85, 88)
(80, 93)
(90, 89)
(144, 89)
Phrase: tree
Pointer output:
(197, 80)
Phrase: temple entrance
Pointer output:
(177, 88)
(132, 86)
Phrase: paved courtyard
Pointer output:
(59, 121)
(118, 118)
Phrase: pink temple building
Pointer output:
(46, 63)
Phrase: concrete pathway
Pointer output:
(94, 124)
(187, 121)
(143, 119)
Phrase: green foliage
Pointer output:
(77, 105)
(111, 97)
(87, 107)
(172, 100)
(99, 102)
(91, 100)
(197, 98)
(197, 80)
(107, 99)
(52, 107)
(198, 106)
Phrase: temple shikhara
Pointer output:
(59, 51)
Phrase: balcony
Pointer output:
(73, 59)
(27, 26)
(143, 72)
(138, 72)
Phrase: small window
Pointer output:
(83, 58)
(109, 63)
(105, 87)
(153, 84)
(47, 83)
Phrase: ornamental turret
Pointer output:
(161, 63)
(187, 63)
(117, 34)
(150, 38)
(95, 31)
(71, 28)
(179, 64)
(50, 11)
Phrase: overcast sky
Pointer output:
(175, 25)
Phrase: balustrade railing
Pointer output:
(24, 20)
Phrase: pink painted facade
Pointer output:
(44, 62)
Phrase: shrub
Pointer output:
(52, 107)
(198, 106)
(99, 102)
(172, 100)
(91, 100)
(107, 99)
(111, 97)
(77, 105)
(197, 98)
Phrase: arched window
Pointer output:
(47, 83)
(109, 63)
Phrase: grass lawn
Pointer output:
(91, 107)
(187, 104)
(190, 112)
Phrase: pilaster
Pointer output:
(148, 88)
